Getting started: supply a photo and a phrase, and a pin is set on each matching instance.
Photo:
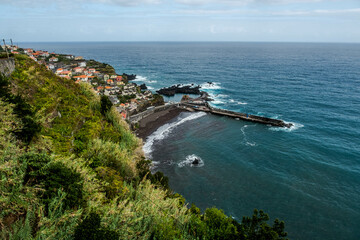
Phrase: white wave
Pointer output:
(216, 101)
(187, 85)
(232, 100)
(143, 79)
(295, 126)
(241, 103)
(251, 144)
(214, 85)
(189, 161)
(165, 130)
(150, 88)
(140, 79)
(221, 96)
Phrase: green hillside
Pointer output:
(70, 168)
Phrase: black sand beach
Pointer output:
(149, 124)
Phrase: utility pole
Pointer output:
(6, 48)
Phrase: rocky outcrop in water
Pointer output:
(130, 77)
(143, 86)
(171, 91)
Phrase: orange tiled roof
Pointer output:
(81, 76)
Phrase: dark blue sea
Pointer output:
(308, 175)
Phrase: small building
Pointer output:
(82, 64)
(90, 78)
(79, 58)
(53, 59)
(78, 69)
(45, 54)
(28, 50)
(65, 73)
(106, 77)
(83, 78)
(33, 58)
(59, 70)
(51, 66)
(123, 115)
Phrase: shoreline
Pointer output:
(151, 123)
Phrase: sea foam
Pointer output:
(165, 130)
(295, 126)
(143, 79)
(189, 161)
(214, 85)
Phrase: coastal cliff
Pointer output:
(72, 169)
(7, 66)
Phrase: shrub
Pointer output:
(256, 227)
(22, 110)
(105, 104)
(220, 226)
(53, 176)
(110, 154)
(90, 229)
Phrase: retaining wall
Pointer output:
(7, 66)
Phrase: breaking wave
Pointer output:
(189, 161)
(214, 85)
(143, 79)
(295, 126)
(165, 130)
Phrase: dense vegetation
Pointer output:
(102, 67)
(71, 169)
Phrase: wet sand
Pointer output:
(151, 123)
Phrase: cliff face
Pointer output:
(7, 66)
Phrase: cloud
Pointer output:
(243, 2)
(317, 12)
(46, 3)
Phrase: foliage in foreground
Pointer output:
(78, 172)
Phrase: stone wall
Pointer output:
(136, 118)
(7, 66)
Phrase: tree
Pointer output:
(256, 227)
(105, 104)
(90, 229)
(220, 226)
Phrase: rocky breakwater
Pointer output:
(171, 91)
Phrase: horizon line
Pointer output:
(194, 41)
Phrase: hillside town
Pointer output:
(127, 97)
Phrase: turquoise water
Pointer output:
(308, 175)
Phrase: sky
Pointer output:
(180, 20)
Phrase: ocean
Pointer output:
(308, 175)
